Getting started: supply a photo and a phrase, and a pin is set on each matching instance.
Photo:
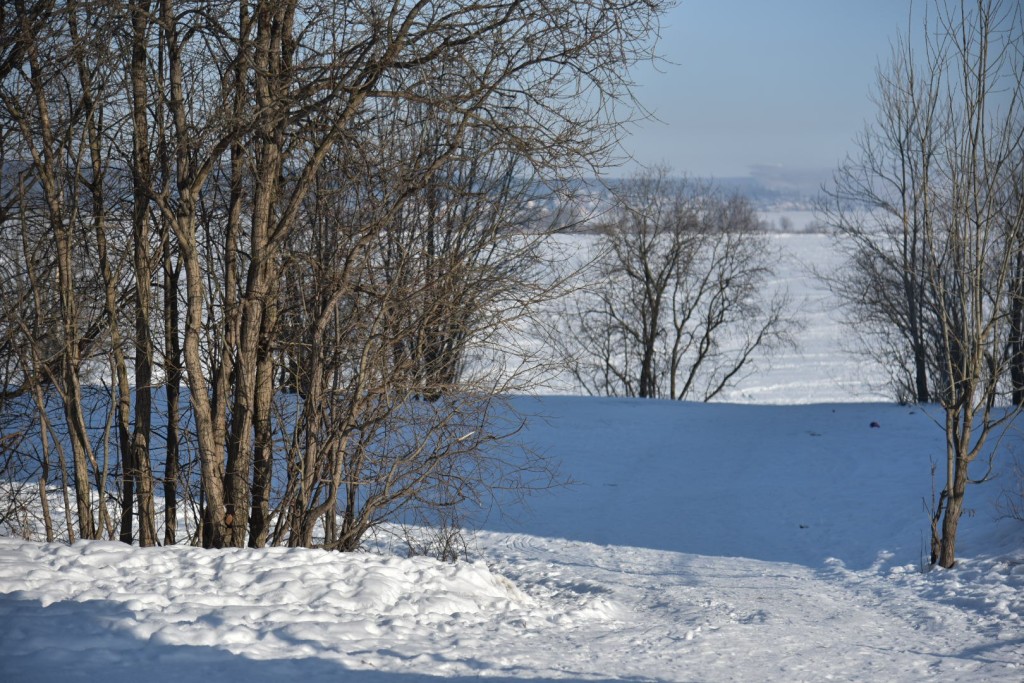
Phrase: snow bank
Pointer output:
(262, 604)
(798, 484)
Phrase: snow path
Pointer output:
(692, 617)
(576, 611)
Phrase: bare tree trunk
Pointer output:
(182, 218)
(123, 390)
(1016, 331)
(71, 359)
(263, 456)
(141, 260)
(951, 506)
(44, 445)
(211, 464)
(172, 387)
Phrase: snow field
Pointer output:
(825, 366)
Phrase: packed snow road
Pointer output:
(671, 616)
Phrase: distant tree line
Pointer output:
(274, 234)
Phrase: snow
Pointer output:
(825, 366)
(722, 542)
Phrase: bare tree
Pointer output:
(393, 286)
(939, 280)
(878, 206)
(678, 310)
(176, 147)
(1014, 206)
(41, 99)
(972, 243)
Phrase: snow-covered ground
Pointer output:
(825, 365)
(722, 542)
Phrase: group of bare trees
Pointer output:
(678, 303)
(248, 249)
(930, 213)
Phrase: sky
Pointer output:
(754, 83)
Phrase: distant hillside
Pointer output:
(770, 189)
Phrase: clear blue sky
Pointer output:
(763, 82)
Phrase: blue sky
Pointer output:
(763, 82)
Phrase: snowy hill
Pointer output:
(725, 542)
(699, 542)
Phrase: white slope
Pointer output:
(699, 542)
(696, 543)
(777, 543)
